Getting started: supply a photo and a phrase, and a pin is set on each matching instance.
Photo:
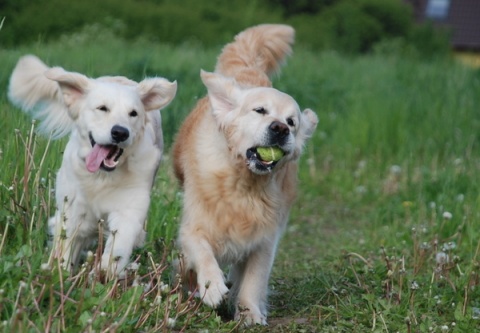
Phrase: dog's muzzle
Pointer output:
(256, 164)
(105, 157)
(277, 136)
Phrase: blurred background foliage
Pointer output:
(346, 26)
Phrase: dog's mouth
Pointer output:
(103, 157)
(258, 165)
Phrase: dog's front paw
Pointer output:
(213, 293)
(250, 317)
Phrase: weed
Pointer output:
(383, 236)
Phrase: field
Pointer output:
(384, 236)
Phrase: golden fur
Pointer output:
(235, 205)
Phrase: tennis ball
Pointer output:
(270, 154)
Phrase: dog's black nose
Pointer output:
(119, 133)
(279, 129)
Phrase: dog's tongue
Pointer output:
(96, 157)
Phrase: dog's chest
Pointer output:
(105, 190)
(245, 223)
(242, 215)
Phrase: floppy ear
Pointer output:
(156, 93)
(223, 92)
(309, 121)
(73, 85)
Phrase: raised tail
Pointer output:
(256, 54)
(34, 93)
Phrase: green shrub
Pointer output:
(430, 41)
(394, 17)
(292, 8)
(354, 26)
(212, 23)
(348, 26)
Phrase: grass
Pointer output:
(384, 235)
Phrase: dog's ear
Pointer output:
(224, 93)
(156, 93)
(73, 85)
(309, 121)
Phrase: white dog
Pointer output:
(111, 158)
(237, 198)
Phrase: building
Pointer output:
(461, 17)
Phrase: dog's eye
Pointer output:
(133, 113)
(260, 110)
(102, 108)
(290, 122)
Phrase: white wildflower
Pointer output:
(447, 215)
(362, 164)
(147, 287)
(164, 288)
(171, 322)
(361, 189)
(475, 313)
(45, 266)
(441, 258)
(89, 255)
(449, 246)
(425, 246)
(414, 285)
(134, 266)
(395, 169)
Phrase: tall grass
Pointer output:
(383, 237)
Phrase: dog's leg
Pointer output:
(198, 254)
(68, 240)
(250, 284)
(126, 232)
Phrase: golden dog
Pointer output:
(236, 205)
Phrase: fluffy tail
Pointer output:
(34, 93)
(256, 54)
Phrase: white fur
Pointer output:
(85, 108)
